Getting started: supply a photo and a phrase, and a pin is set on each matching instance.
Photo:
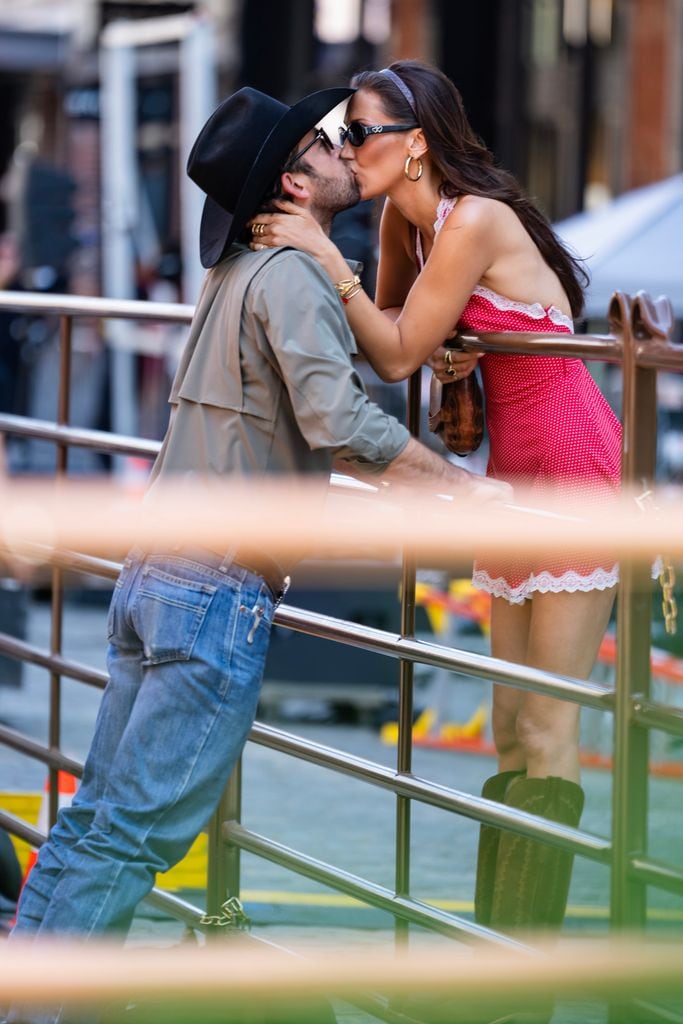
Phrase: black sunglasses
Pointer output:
(357, 133)
(320, 136)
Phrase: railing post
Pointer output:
(57, 598)
(628, 908)
(223, 860)
(404, 755)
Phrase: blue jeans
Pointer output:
(187, 645)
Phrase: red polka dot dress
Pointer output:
(551, 430)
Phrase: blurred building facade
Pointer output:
(580, 98)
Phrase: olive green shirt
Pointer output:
(266, 382)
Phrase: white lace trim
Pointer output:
(545, 583)
(445, 206)
(534, 309)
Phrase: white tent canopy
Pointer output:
(631, 244)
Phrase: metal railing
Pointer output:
(639, 341)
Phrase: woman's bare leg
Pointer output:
(521, 883)
(565, 633)
(510, 625)
(559, 633)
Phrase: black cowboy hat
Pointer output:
(238, 154)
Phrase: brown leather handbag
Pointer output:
(456, 411)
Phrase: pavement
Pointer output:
(337, 819)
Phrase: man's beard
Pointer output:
(332, 195)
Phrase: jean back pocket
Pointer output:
(168, 612)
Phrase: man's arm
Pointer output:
(310, 345)
(305, 327)
(419, 467)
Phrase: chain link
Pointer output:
(667, 576)
(667, 581)
(232, 916)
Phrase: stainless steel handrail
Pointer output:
(641, 349)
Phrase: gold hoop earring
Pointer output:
(406, 168)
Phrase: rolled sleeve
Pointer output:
(312, 345)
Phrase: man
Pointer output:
(265, 385)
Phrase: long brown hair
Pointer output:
(466, 165)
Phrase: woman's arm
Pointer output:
(397, 264)
(462, 252)
(396, 274)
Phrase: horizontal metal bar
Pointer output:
(78, 437)
(603, 347)
(177, 908)
(77, 562)
(411, 786)
(368, 892)
(50, 756)
(587, 693)
(23, 651)
(81, 305)
(657, 873)
(655, 354)
(21, 829)
(474, 807)
(653, 714)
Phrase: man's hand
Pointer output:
(487, 491)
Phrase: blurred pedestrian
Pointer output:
(10, 358)
(266, 385)
(461, 244)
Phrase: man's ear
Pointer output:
(294, 186)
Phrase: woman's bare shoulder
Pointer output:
(479, 212)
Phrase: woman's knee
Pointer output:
(544, 740)
(504, 734)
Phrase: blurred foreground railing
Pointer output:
(639, 341)
(188, 982)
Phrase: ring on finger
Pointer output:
(450, 369)
(258, 228)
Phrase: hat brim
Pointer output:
(220, 228)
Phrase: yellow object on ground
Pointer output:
(426, 723)
(190, 873)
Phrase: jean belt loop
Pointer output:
(229, 558)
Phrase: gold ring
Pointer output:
(450, 369)
(258, 228)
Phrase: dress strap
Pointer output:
(418, 250)
(446, 205)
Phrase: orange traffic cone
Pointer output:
(66, 787)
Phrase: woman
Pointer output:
(460, 244)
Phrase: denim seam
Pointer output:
(234, 575)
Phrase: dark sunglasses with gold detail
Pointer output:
(320, 136)
(357, 133)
